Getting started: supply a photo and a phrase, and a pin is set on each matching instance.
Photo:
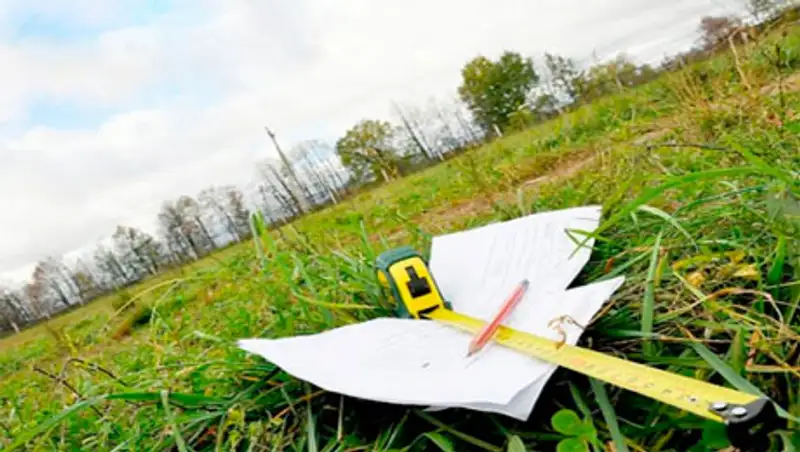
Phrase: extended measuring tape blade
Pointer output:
(748, 418)
(686, 393)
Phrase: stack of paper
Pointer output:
(421, 362)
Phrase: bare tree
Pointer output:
(761, 9)
(563, 74)
(237, 210)
(13, 312)
(53, 281)
(415, 135)
(470, 132)
(139, 250)
(184, 233)
(180, 245)
(447, 140)
(112, 270)
(36, 295)
(267, 204)
(313, 160)
(279, 190)
(324, 154)
(226, 205)
(293, 186)
(716, 30)
(194, 224)
(88, 281)
(213, 200)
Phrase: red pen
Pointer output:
(485, 334)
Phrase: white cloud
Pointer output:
(105, 72)
(223, 69)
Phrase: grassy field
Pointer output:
(698, 176)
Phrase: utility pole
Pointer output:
(296, 188)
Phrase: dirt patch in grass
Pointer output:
(788, 85)
(565, 171)
(482, 205)
(652, 135)
(569, 166)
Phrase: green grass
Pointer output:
(707, 240)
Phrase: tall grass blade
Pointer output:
(669, 219)
(785, 175)
(441, 441)
(601, 396)
(730, 375)
(460, 435)
(311, 431)
(648, 303)
(775, 272)
(51, 422)
(515, 444)
(257, 229)
(176, 431)
(653, 193)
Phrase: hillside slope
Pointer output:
(698, 176)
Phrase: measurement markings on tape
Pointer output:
(683, 392)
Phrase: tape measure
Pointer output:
(749, 418)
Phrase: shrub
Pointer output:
(121, 302)
(140, 315)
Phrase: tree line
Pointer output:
(494, 97)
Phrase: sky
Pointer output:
(109, 107)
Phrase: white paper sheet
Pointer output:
(399, 361)
(424, 363)
(476, 269)
(581, 304)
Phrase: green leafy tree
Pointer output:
(609, 77)
(521, 119)
(366, 149)
(493, 91)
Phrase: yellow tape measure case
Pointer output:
(405, 272)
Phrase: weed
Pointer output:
(140, 315)
(122, 302)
